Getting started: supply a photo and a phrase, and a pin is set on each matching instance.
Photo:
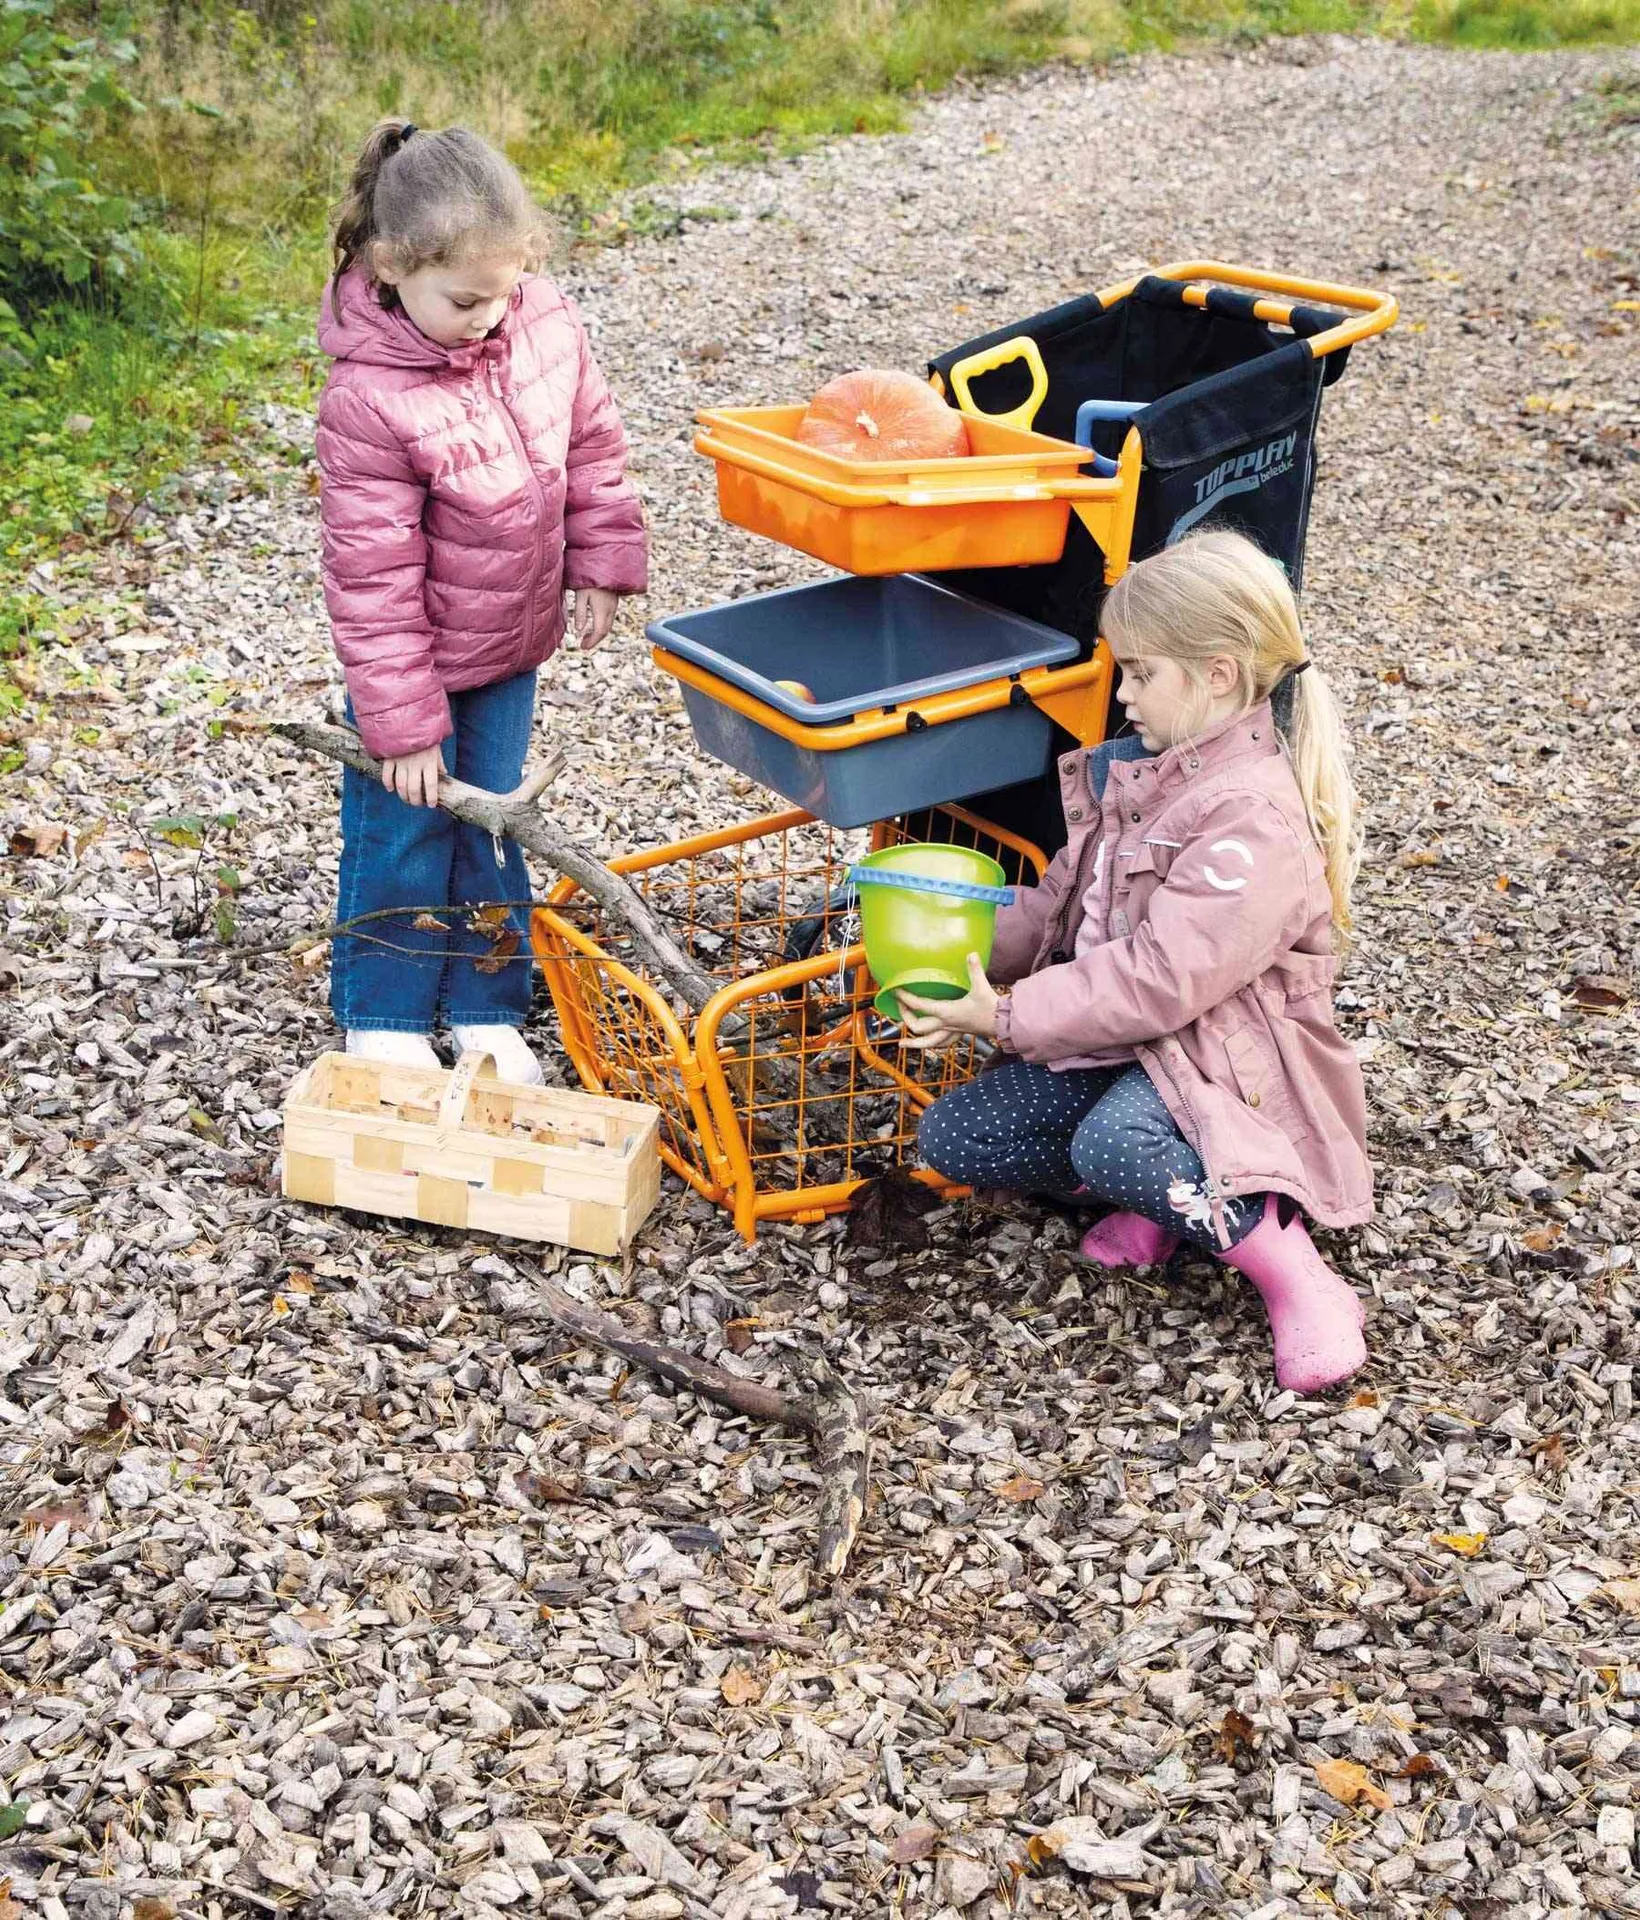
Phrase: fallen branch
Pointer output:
(517, 816)
(828, 1412)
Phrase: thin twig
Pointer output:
(828, 1413)
(516, 816)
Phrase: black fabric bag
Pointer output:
(1228, 431)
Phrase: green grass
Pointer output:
(254, 109)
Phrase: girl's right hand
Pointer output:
(414, 776)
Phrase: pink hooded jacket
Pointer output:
(463, 489)
(1211, 962)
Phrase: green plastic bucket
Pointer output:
(923, 909)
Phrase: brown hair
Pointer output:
(429, 197)
(1216, 593)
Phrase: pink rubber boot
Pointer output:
(1127, 1240)
(1315, 1318)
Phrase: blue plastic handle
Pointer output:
(1091, 410)
(928, 883)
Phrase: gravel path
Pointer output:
(329, 1589)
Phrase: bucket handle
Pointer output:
(987, 360)
(929, 883)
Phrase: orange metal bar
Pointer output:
(880, 724)
(814, 1203)
(1375, 312)
(547, 925)
(756, 986)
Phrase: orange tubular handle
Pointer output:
(840, 493)
(958, 704)
(1375, 312)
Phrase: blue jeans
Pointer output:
(1090, 1133)
(389, 973)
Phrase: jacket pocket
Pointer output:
(1261, 1082)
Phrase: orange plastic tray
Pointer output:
(1006, 503)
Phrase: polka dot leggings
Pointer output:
(1095, 1133)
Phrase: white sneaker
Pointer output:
(513, 1058)
(391, 1048)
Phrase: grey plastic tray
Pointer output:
(861, 644)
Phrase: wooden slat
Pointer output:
(310, 1176)
(442, 1203)
(376, 1151)
(362, 1135)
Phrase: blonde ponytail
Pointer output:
(1217, 594)
(1321, 768)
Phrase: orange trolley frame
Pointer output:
(793, 1043)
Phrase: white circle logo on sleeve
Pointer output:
(1217, 880)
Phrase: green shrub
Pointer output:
(60, 92)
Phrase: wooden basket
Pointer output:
(460, 1150)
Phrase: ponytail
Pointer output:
(355, 217)
(1321, 768)
(445, 194)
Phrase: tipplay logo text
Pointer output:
(1241, 473)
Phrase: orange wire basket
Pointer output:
(787, 1091)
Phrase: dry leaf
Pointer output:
(150, 1908)
(1599, 992)
(1364, 1398)
(9, 1909)
(737, 1334)
(37, 841)
(740, 1686)
(429, 923)
(1020, 1489)
(1624, 1593)
(917, 1843)
(1543, 1239)
(888, 1212)
(47, 1517)
(1348, 1781)
(299, 1282)
(499, 954)
(1418, 1767)
(492, 922)
(1236, 1735)
(1420, 857)
(541, 1491)
(115, 1420)
(1551, 1450)
(1468, 1544)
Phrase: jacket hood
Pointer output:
(378, 336)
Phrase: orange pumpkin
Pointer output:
(882, 415)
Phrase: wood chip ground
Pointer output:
(329, 1587)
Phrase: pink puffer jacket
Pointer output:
(1208, 955)
(463, 489)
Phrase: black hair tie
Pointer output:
(1303, 667)
(405, 131)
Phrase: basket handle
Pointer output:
(987, 360)
(454, 1104)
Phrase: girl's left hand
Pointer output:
(592, 616)
(930, 1024)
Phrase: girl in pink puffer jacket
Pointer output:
(473, 469)
(1164, 998)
